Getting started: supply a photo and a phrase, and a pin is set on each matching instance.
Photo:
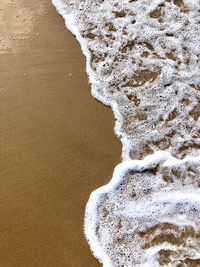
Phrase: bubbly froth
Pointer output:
(149, 213)
(143, 60)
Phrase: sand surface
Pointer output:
(57, 143)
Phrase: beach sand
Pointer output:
(57, 143)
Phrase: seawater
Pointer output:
(143, 60)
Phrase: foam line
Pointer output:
(142, 60)
(71, 24)
(150, 162)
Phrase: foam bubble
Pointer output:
(143, 60)
(142, 56)
(148, 214)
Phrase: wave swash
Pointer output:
(143, 60)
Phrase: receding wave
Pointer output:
(143, 60)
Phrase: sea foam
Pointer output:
(148, 214)
(143, 60)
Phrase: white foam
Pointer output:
(143, 60)
(145, 209)
(111, 42)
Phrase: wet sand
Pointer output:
(57, 143)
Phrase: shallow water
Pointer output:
(143, 60)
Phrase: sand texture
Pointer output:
(57, 143)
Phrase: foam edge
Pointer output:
(149, 162)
